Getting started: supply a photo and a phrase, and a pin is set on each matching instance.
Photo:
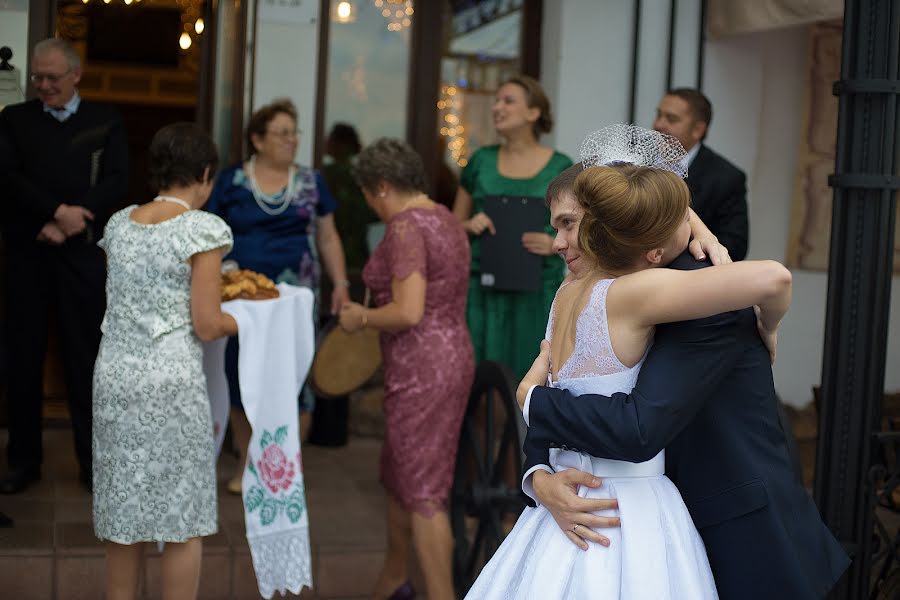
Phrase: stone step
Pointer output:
(339, 573)
(52, 554)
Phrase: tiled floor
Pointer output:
(52, 554)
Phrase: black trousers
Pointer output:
(69, 280)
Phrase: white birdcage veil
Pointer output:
(623, 143)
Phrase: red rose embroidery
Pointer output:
(276, 470)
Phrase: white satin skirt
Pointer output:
(657, 554)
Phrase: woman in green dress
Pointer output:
(508, 326)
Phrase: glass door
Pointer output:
(481, 49)
(368, 58)
(363, 96)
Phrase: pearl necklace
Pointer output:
(268, 204)
(173, 200)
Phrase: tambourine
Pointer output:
(344, 362)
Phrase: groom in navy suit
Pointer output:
(705, 394)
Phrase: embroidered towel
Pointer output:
(277, 343)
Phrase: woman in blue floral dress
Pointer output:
(154, 469)
(282, 216)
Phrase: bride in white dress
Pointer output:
(599, 329)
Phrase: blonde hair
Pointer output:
(628, 210)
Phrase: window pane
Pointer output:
(481, 49)
(368, 64)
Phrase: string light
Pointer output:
(450, 104)
(397, 13)
(344, 11)
(190, 10)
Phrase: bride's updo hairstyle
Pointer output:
(629, 210)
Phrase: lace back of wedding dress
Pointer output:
(593, 354)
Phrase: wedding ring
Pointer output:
(574, 527)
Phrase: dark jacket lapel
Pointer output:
(696, 179)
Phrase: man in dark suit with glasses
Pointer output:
(64, 161)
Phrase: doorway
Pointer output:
(144, 57)
(153, 61)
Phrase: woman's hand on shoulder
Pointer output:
(701, 247)
(705, 243)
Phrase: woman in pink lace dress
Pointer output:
(419, 277)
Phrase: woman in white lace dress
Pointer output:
(600, 328)
(154, 477)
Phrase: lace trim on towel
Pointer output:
(282, 561)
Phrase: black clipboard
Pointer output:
(505, 264)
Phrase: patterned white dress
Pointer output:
(657, 554)
(154, 469)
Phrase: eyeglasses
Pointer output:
(39, 77)
(284, 133)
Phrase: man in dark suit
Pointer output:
(64, 160)
(718, 188)
(705, 394)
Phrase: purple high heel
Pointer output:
(404, 592)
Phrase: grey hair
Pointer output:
(63, 46)
(390, 160)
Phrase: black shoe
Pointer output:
(18, 479)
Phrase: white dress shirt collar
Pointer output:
(70, 108)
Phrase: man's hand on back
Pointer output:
(558, 493)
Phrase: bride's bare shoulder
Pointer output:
(572, 293)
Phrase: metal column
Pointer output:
(859, 283)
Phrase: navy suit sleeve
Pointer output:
(731, 222)
(112, 184)
(686, 364)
